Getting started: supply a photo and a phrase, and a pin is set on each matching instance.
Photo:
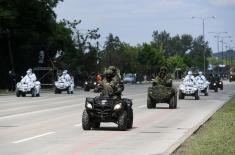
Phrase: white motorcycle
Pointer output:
(62, 85)
(203, 86)
(188, 88)
(23, 88)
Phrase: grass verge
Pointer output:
(215, 137)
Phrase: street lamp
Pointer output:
(203, 32)
(222, 41)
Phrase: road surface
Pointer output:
(51, 124)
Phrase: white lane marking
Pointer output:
(142, 106)
(34, 137)
(78, 125)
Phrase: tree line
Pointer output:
(27, 27)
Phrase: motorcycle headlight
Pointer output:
(94, 83)
(118, 106)
(88, 105)
(220, 82)
(86, 82)
(214, 84)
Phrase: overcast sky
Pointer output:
(134, 21)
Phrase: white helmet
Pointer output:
(190, 73)
(200, 73)
(65, 72)
(29, 71)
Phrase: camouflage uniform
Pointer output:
(163, 78)
(112, 82)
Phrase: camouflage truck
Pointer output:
(162, 94)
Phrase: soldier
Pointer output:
(111, 83)
(189, 77)
(162, 78)
(200, 77)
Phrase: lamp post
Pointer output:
(203, 32)
(222, 41)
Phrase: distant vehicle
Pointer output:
(232, 74)
(215, 83)
(129, 78)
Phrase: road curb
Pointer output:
(190, 132)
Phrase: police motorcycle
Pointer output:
(188, 88)
(28, 85)
(64, 84)
(108, 108)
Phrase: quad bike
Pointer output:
(107, 109)
(188, 88)
(23, 88)
(162, 94)
(62, 85)
(203, 87)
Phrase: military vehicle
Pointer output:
(203, 86)
(232, 74)
(107, 109)
(215, 83)
(161, 94)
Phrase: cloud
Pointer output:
(223, 2)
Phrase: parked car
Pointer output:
(129, 78)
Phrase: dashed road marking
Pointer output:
(34, 137)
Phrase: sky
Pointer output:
(134, 21)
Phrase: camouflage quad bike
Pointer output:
(107, 109)
(162, 94)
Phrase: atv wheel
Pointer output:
(123, 121)
(130, 119)
(197, 96)
(33, 92)
(150, 104)
(222, 87)
(68, 92)
(181, 95)
(206, 92)
(86, 123)
(171, 103)
(216, 89)
(18, 93)
(96, 125)
(86, 88)
(23, 94)
(71, 92)
(175, 101)
(38, 95)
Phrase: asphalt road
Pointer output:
(51, 124)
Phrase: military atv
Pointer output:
(107, 109)
(161, 94)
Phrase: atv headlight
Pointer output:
(94, 83)
(214, 84)
(86, 83)
(88, 105)
(220, 82)
(118, 106)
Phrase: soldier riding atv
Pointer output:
(109, 106)
(162, 91)
(64, 83)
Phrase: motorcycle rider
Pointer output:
(29, 77)
(189, 77)
(200, 77)
(65, 77)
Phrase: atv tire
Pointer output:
(130, 119)
(150, 104)
(175, 100)
(181, 95)
(86, 122)
(197, 96)
(216, 89)
(123, 121)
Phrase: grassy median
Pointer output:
(215, 137)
